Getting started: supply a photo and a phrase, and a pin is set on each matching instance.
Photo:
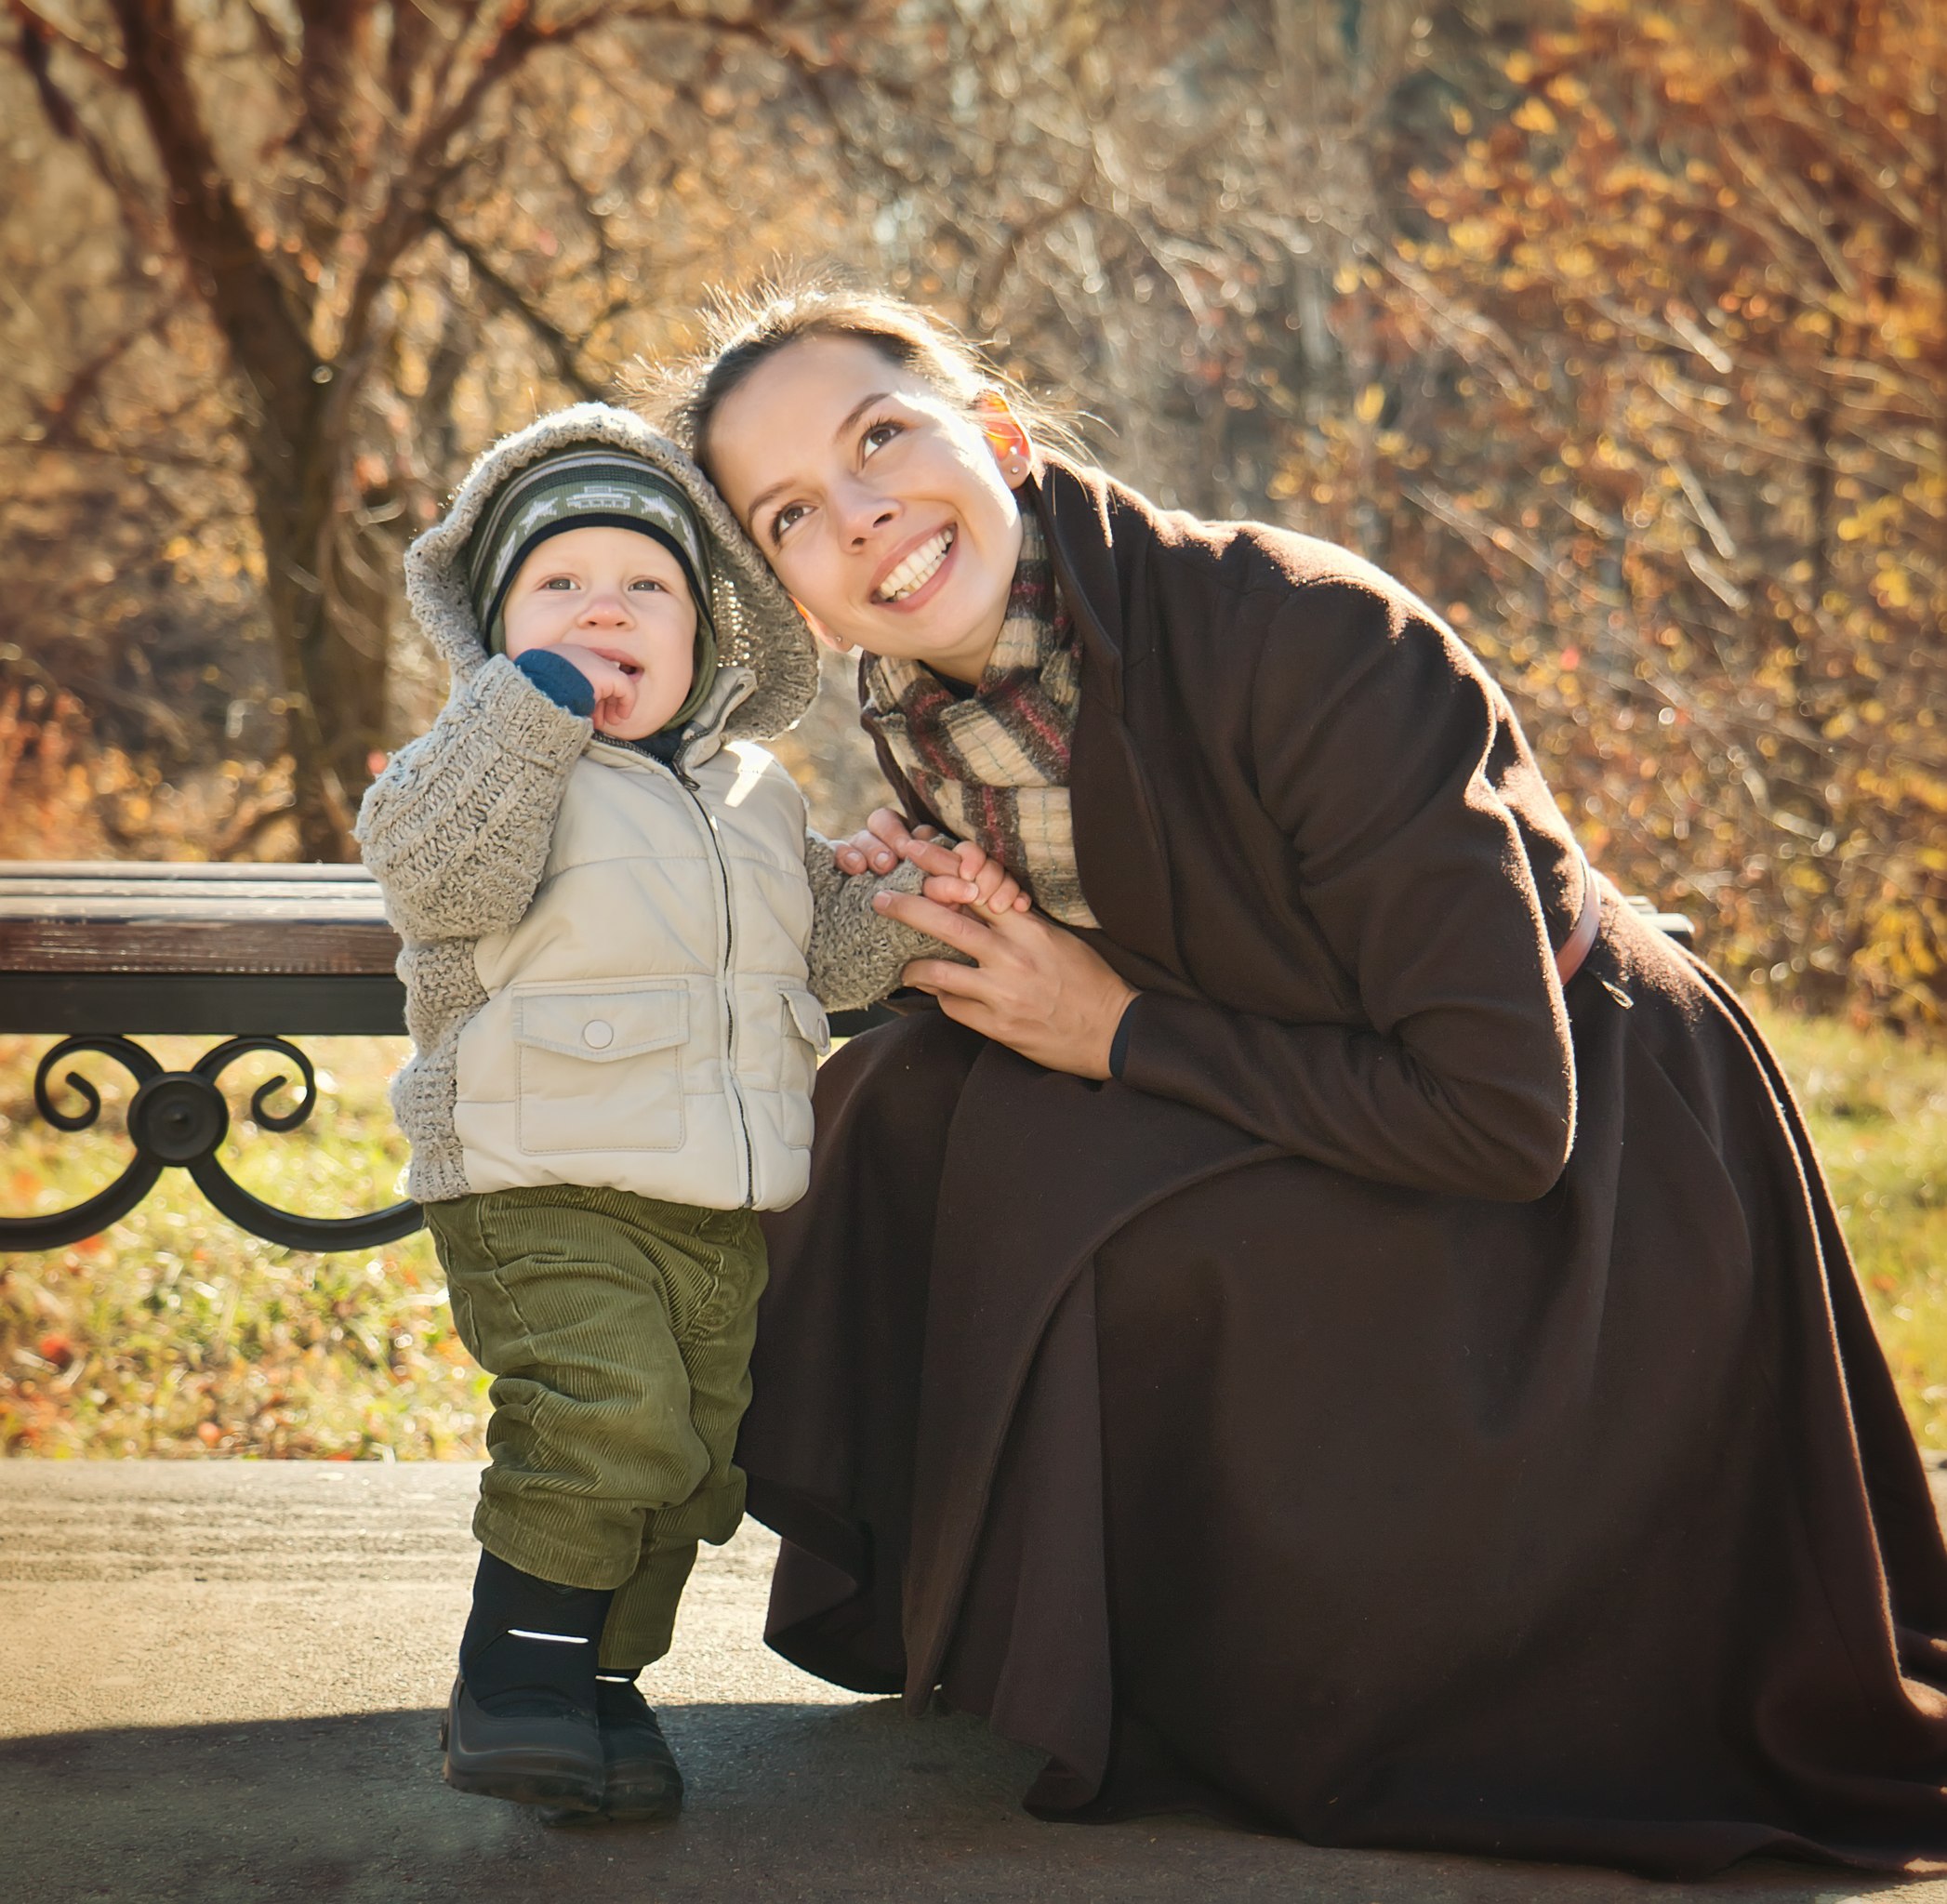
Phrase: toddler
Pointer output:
(620, 940)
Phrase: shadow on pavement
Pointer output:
(788, 1802)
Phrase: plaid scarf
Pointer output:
(993, 765)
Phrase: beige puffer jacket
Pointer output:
(616, 971)
(648, 1024)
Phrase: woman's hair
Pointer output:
(741, 329)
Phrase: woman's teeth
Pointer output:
(918, 569)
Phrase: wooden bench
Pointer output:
(102, 951)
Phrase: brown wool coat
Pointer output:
(1413, 1407)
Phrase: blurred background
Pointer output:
(1617, 331)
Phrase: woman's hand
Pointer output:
(1034, 986)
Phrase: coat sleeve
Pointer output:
(855, 954)
(1374, 743)
(457, 827)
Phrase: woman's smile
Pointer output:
(913, 575)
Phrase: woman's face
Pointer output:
(877, 498)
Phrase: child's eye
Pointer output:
(649, 582)
(559, 582)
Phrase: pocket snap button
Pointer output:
(598, 1033)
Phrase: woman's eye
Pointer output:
(879, 435)
(784, 518)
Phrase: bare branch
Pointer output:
(64, 116)
(37, 29)
(564, 352)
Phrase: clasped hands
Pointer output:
(1033, 985)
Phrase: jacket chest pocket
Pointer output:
(601, 1066)
(807, 1036)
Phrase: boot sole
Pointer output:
(519, 1779)
(610, 1813)
(642, 1807)
(528, 1783)
(626, 1803)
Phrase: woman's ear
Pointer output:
(1007, 436)
(820, 633)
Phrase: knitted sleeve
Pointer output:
(856, 954)
(457, 829)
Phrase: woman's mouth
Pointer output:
(917, 570)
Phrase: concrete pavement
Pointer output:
(221, 1682)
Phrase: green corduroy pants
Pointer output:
(618, 1331)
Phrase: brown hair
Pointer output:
(741, 329)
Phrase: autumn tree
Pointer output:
(326, 189)
(1144, 211)
(1667, 362)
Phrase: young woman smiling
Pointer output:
(1331, 1319)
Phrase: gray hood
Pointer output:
(759, 635)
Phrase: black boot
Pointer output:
(645, 1786)
(643, 1782)
(521, 1723)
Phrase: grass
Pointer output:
(176, 1334)
(1877, 1107)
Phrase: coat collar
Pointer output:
(1082, 515)
(1098, 538)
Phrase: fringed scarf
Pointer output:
(994, 764)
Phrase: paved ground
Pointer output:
(221, 1682)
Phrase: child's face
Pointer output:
(615, 605)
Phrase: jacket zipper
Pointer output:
(748, 1182)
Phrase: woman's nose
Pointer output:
(862, 512)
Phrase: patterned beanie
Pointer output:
(590, 485)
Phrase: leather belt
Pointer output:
(1582, 940)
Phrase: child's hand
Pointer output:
(981, 881)
(615, 686)
(879, 846)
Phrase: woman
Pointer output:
(1331, 1319)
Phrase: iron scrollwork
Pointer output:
(179, 1120)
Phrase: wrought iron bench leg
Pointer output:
(179, 1120)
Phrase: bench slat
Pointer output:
(179, 892)
(185, 917)
(161, 871)
(298, 908)
(269, 944)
